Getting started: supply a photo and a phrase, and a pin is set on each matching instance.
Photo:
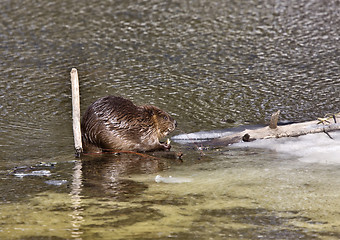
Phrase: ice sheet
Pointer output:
(314, 148)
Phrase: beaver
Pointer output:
(115, 123)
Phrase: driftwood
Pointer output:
(328, 124)
(76, 112)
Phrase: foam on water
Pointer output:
(313, 148)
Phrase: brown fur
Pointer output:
(115, 123)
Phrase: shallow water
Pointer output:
(212, 65)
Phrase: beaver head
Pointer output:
(162, 122)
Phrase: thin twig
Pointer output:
(109, 151)
(328, 134)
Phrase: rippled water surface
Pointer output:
(211, 65)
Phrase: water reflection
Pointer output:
(76, 201)
(235, 193)
(108, 175)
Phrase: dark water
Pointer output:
(210, 64)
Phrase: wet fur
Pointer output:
(115, 123)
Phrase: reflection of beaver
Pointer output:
(116, 123)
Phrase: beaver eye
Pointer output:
(165, 118)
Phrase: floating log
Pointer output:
(325, 125)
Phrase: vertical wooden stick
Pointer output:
(274, 119)
(76, 112)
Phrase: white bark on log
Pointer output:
(76, 111)
(292, 130)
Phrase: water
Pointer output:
(212, 65)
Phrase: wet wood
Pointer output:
(168, 155)
(147, 155)
(293, 130)
(274, 119)
(76, 111)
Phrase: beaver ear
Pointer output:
(149, 109)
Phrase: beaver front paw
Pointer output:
(165, 146)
